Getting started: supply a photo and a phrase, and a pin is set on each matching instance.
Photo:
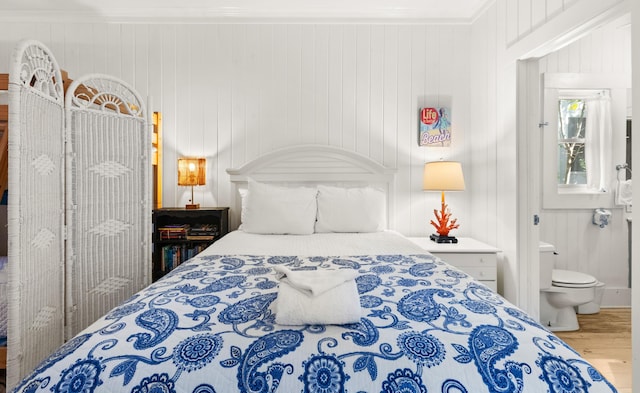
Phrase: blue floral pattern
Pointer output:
(561, 376)
(423, 349)
(82, 377)
(157, 383)
(209, 326)
(197, 351)
(323, 374)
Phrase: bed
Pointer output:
(211, 325)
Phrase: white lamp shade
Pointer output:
(443, 176)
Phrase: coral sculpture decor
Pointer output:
(443, 226)
(443, 176)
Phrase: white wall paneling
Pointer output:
(497, 43)
(523, 17)
(483, 140)
(529, 140)
(581, 245)
(231, 92)
(538, 13)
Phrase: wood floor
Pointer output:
(604, 339)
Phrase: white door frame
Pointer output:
(528, 117)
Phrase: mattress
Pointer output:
(209, 326)
(317, 244)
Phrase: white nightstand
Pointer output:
(477, 259)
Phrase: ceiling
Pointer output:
(441, 11)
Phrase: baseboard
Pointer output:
(616, 297)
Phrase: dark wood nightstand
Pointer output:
(179, 234)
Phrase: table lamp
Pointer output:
(443, 176)
(192, 172)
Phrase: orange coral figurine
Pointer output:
(443, 226)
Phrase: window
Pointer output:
(577, 142)
(584, 140)
(572, 168)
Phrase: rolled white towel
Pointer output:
(624, 193)
(306, 297)
(315, 282)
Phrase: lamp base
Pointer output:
(443, 239)
(190, 206)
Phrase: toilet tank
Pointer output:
(547, 262)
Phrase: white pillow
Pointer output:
(356, 209)
(243, 204)
(279, 210)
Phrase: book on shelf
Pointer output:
(173, 256)
(172, 236)
(174, 227)
(203, 230)
(173, 231)
(200, 237)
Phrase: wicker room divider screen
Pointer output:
(35, 210)
(63, 277)
(108, 199)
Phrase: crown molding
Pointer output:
(383, 13)
(85, 17)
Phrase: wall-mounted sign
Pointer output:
(435, 127)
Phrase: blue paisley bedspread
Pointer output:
(208, 327)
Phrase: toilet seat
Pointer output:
(571, 279)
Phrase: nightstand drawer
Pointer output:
(492, 284)
(464, 260)
(477, 259)
(480, 273)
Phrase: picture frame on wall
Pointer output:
(435, 127)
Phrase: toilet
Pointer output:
(562, 291)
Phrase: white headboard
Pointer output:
(313, 164)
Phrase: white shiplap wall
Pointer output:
(230, 92)
(581, 245)
(504, 33)
(524, 17)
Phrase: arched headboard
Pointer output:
(313, 164)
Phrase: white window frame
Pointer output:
(556, 196)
